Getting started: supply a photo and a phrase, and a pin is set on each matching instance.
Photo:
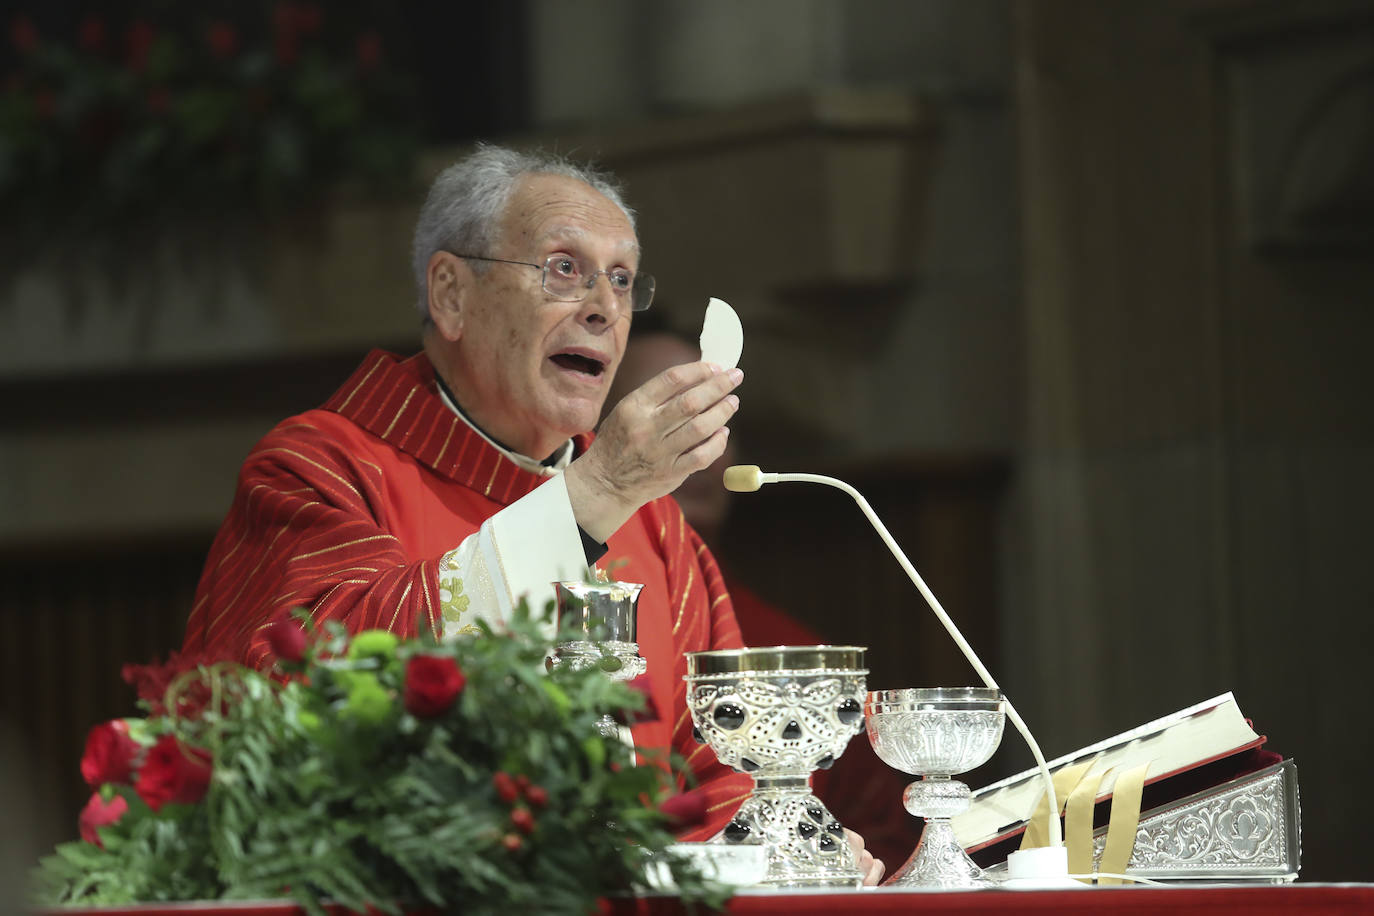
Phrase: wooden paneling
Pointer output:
(72, 617)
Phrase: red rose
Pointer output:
(522, 820)
(432, 683)
(110, 754)
(309, 17)
(174, 773)
(158, 100)
(685, 810)
(139, 40)
(287, 638)
(91, 34)
(506, 788)
(99, 814)
(23, 35)
(45, 103)
(287, 49)
(223, 40)
(369, 50)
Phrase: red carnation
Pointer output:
(151, 683)
(98, 813)
(287, 638)
(174, 773)
(522, 820)
(685, 810)
(506, 788)
(110, 754)
(432, 683)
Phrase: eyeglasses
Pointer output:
(569, 279)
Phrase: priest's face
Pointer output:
(529, 368)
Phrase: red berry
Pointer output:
(522, 820)
(505, 786)
(522, 781)
(512, 842)
(537, 796)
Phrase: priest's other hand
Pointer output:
(872, 868)
(669, 427)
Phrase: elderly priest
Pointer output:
(438, 488)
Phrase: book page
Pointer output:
(1180, 741)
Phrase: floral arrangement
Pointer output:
(374, 772)
(192, 105)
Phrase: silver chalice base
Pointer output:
(936, 733)
(779, 714)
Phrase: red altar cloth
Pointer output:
(1308, 899)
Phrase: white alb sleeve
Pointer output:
(517, 553)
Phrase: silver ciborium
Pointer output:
(603, 614)
(779, 714)
(936, 733)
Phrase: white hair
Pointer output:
(467, 202)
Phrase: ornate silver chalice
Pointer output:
(778, 714)
(604, 616)
(936, 733)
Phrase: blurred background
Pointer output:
(1079, 294)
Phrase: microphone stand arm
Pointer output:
(1055, 831)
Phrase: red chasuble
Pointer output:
(348, 509)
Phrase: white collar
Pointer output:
(564, 453)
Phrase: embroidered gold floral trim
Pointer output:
(452, 602)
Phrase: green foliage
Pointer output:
(314, 799)
(195, 107)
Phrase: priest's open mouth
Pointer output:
(579, 363)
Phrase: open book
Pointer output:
(1185, 740)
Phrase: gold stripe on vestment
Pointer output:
(316, 553)
(392, 424)
(400, 604)
(452, 424)
(487, 491)
(359, 386)
(248, 578)
(429, 606)
(324, 599)
(691, 574)
(729, 801)
(297, 454)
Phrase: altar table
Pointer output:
(1304, 899)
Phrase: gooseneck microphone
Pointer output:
(746, 478)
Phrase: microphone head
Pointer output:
(743, 478)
